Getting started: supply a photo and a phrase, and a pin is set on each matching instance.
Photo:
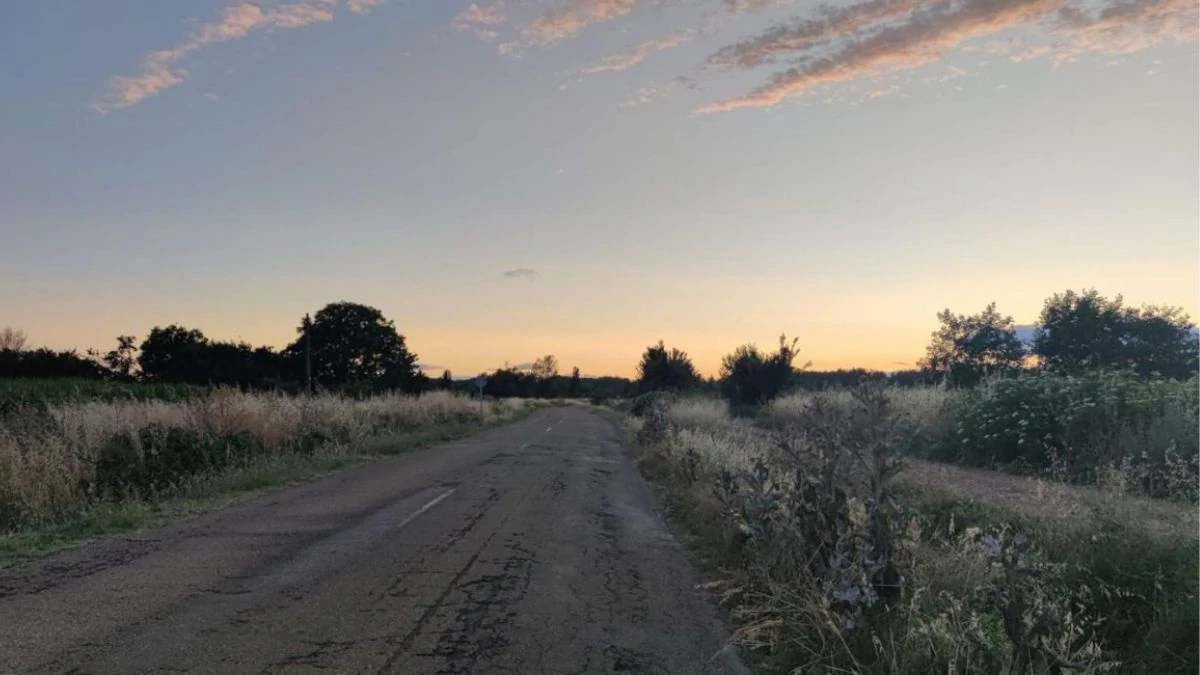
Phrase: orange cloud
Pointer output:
(632, 57)
(159, 71)
(801, 35)
(1126, 27)
(561, 23)
(916, 41)
(882, 35)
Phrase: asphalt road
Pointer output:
(529, 549)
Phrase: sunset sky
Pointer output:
(585, 177)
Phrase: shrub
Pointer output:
(1076, 427)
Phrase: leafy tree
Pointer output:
(12, 340)
(47, 363)
(750, 377)
(576, 386)
(1162, 340)
(447, 380)
(1078, 331)
(355, 348)
(545, 367)
(666, 370)
(174, 354)
(1081, 331)
(968, 348)
(122, 360)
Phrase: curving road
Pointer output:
(529, 549)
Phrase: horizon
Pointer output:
(583, 178)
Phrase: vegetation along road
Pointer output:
(532, 548)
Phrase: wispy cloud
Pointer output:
(160, 70)
(863, 40)
(479, 19)
(361, 6)
(799, 35)
(521, 273)
(560, 23)
(632, 57)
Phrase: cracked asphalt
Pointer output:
(532, 548)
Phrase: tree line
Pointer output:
(352, 348)
(1075, 332)
(345, 347)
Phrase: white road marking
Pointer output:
(549, 428)
(428, 505)
(524, 445)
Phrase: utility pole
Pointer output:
(307, 356)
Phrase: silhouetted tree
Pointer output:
(750, 377)
(47, 363)
(965, 349)
(1162, 340)
(1080, 331)
(174, 354)
(355, 348)
(12, 340)
(575, 388)
(660, 369)
(122, 360)
(447, 380)
(1077, 331)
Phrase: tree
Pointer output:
(575, 388)
(12, 340)
(750, 377)
(1077, 331)
(174, 354)
(1085, 330)
(121, 361)
(545, 368)
(447, 380)
(1162, 340)
(968, 348)
(355, 348)
(661, 369)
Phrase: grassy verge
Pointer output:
(884, 569)
(201, 494)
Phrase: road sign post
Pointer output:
(481, 382)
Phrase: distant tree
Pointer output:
(965, 349)
(12, 340)
(1078, 331)
(47, 363)
(447, 382)
(575, 388)
(174, 354)
(355, 348)
(545, 367)
(751, 377)
(661, 369)
(1162, 340)
(122, 360)
(1085, 330)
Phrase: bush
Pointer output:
(158, 458)
(1077, 427)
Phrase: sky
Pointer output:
(585, 177)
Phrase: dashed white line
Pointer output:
(428, 505)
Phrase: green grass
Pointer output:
(17, 393)
(211, 492)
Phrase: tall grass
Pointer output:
(60, 458)
(835, 563)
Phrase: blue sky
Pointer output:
(838, 173)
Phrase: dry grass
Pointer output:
(1110, 579)
(48, 460)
